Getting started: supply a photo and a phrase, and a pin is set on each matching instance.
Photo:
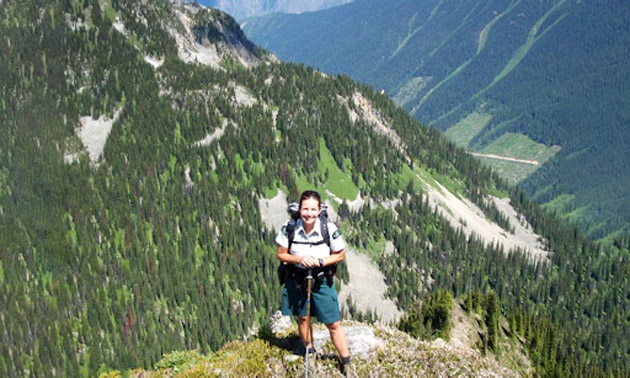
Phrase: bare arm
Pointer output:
(307, 261)
(334, 258)
(283, 255)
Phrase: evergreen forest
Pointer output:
(554, 73)
(111, 260)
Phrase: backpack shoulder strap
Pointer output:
(294, 214)
(290, 232)
(323, 220)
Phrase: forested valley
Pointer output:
(158, 244)
(549, 71)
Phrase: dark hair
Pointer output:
(308, 194)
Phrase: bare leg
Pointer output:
(305, 329)
(338, 337)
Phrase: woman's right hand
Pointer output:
(308, 262)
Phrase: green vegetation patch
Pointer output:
(408, 175)
(109, 11)
(511, 171)
(336, 181)
(376, 247)
(410, 90)
(516, 146)
(606, 241)
(270, 192)
(451, 183)
(520, 146)
(468, 128)
(576, 214)
(180, 360)
(422, 178)
(560, 204)
(303, 183)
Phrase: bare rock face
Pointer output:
(274, 211)
(206, 36)
(279, 323)
(361, 339)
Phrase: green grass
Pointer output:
(408, 175)
(270, 192)
(483, 36)
(466, 129)
(304, 184)
(338, 182)
(510, 171)
(517, 146)
(498, 193)
(239, 161)
(376, 247)
(449, 182)
(520, 146)
(109, 10)
(421, 178)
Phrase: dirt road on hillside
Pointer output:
(492, 156)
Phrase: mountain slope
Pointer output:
(549, 72)
(242, 9)
(137, 143)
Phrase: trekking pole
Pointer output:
(309, 337)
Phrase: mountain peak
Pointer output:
(377, 350)
(207, 36)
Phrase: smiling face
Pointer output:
(309, 212)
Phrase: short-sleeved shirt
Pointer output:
(316, 250)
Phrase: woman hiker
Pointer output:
(310, 250)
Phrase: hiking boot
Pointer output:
(346, 367)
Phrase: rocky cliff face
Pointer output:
(208, 36)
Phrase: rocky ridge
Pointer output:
(377, 350)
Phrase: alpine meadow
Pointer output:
(536, 89)
(139, 142)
